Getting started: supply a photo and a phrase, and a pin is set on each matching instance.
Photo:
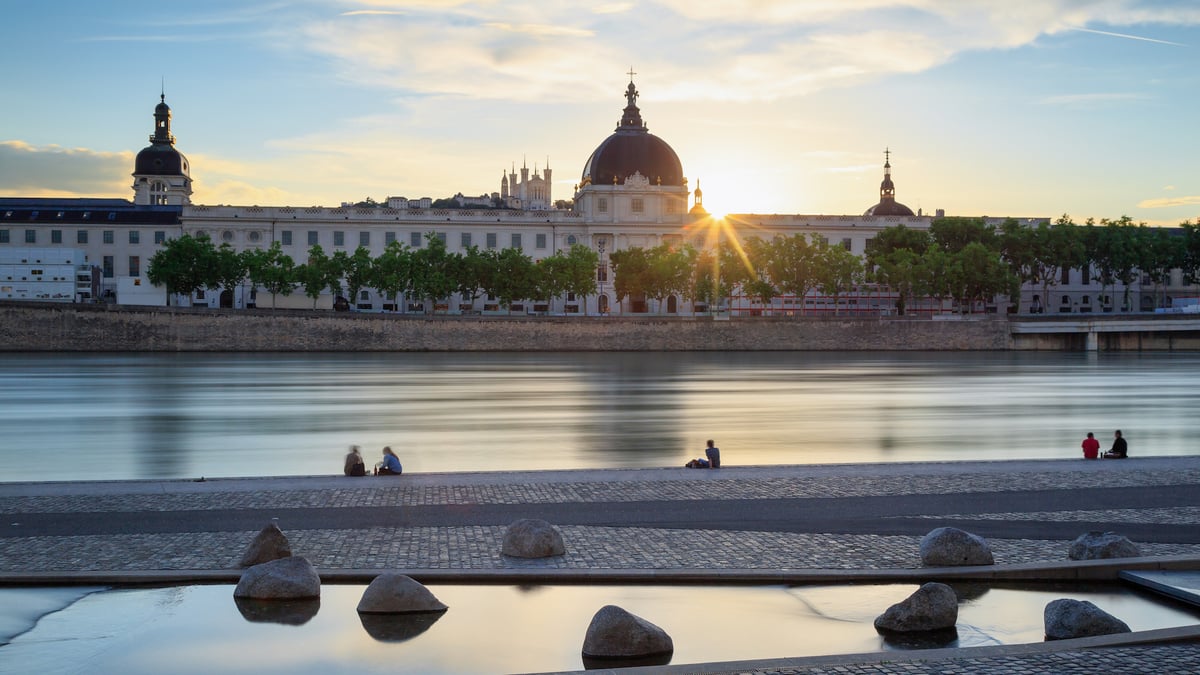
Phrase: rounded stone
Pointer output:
(616, 634)
(393, 593)
(290, 578)
(269, 544)
(532, 538)
(932, 607)
(1067, 618)
(1101, 545)
(949, 546)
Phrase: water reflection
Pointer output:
(285, 612)
(398, 627)
(188, 415)
(195, 629)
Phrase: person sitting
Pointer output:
(354, 463)
(713, 453)
(390, 466)
(697, 464)
(1091, 447)
(1120, 449)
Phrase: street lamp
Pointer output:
(601, 273)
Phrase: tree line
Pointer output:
(189, 264)
(964, 260)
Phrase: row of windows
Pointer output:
(87, 215)
(107, 266)
(417, 239)
(81, 236)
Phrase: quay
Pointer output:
(755, 524)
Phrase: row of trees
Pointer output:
(964, 260)
(188, 264)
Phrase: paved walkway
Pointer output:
(801, 522)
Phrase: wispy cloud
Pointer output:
(1168, 202)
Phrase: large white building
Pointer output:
(632, 192)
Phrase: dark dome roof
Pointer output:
(632, 149)
(161, 160)
(889, 207)
(622, 154)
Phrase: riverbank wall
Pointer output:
(67, 327)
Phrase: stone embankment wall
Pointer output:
(53, 327)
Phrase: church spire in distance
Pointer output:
(632, 117)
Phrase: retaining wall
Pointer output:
(65, 327)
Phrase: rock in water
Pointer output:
(1099, 545)
(616, 634)
(270, 544)
(931, 607)
(290, 578)
(1067, 618)
(532, 538)
(393, 593)
(948, 546)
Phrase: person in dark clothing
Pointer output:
(713, 453)
(1120, 449)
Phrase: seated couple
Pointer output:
(390, 466)
(711, 459)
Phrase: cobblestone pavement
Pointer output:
(466, 546)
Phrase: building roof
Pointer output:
(633, 149)
(15, 211)
(161, 158)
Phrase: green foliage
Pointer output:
(185, 265)
(272, 270)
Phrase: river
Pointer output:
(67, 416)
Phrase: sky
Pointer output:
(989, 107)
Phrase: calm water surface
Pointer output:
(505, 629)
(120, 416)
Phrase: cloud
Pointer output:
(50, 170)
(1168, 202)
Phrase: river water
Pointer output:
(135, 416)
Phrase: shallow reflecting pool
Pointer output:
(493, 629)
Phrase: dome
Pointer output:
(161, 160)
(633, 149)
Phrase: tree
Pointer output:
(516, 277)
(954, 234)
(1158, 253)
(839, 271)
(230, 270)
(432, 271)
(1114, 256)
(977, 273)
(392, 271)
(707, 283)
(272, 270)
(903, 271)
(669, 272)
(357, 270)
(184, 265)
(319, 273)
(794, 266)
(631, 272)
(894, 238)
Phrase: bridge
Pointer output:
(1107, 332)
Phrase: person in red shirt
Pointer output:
(1091, 447)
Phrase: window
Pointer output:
(572, 240)
(516, 241)
(30, 236)
(227, 236)
(255, 236)
(540, 241)
(107, 267)
(846, 243)
(135, 266)
(388, 238)
(160, 237)
(364, 238)
(312, 237)
(1066, 275)
(339, 238)
(3, 236)
(135, 237)
(637, 205)
(414, 239)
(441, 236)
(672, 206)
(466, 240)
(491, 240)
(81, 237)
(55, 236)
(108, 236)
(285, 237)
(602, 205)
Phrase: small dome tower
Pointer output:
(160, 173)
